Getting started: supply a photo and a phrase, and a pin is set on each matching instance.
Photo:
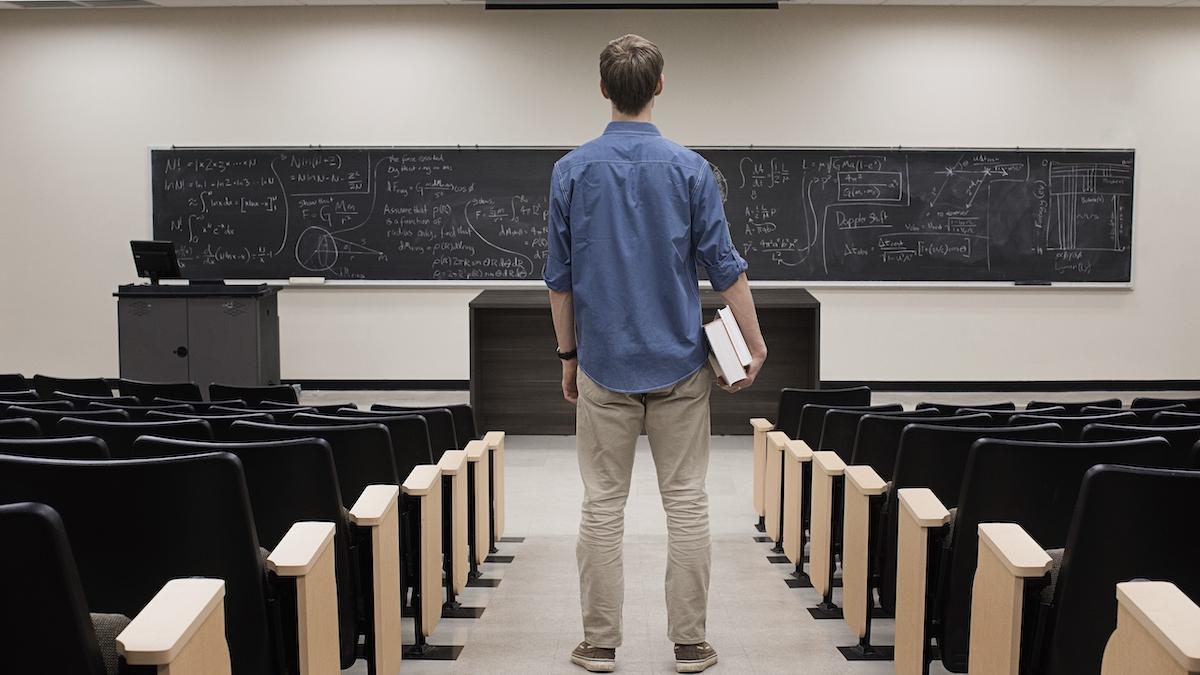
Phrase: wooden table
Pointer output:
(516, 380)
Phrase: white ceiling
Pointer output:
(56, 4)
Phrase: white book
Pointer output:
(735, 334)
(722, 355)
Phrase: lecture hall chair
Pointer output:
(121, 436)
(928, 456)
(1144, 415)
(13, 382)
(61, 447)
(82, 400)
(138, 413)
(1192, 404)
(952, 408)
(295, 480)
(787, 420)
(220, 422)
(1181, 438)
(47, 625)
(254, 395)
(1129, 524)
(1073, 424)
(136, 524)
(90, 386)
(146, 392)
(875, 446)
(20, 427)
(48, 418)
(19, 395)
(1074, 407)
(1034, 484)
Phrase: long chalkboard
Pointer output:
(832, 214)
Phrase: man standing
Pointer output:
(631, 216)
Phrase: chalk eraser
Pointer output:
(305, 281)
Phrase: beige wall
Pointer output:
(84, 93)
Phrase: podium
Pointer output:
(516, 382)
(201, 333)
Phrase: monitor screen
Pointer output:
(155, 260)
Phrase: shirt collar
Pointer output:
(632, 128)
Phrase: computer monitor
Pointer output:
(155, 260)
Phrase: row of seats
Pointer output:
(17, 387)
(1001, 540)
(313, 525)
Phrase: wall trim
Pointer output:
(1017, 385)
(382, 385)
(945, 386)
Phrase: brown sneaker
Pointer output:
(694, 658)
(595, 659)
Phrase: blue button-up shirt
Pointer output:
(632, 215)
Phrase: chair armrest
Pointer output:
(761, 424)
(1007, 557)
(422, 479)
(829, 462)
(862, 484)
(306, 553)
(494, 440)
(1158, 630)
(477, 455)
(373, 505)
(924, 507)
(378, 509)
(1013, 547)
(864, 480)
(799, 450)
(920, 511)
(452, 462)
(183, 626)
(475, 450)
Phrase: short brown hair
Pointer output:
(630, 68)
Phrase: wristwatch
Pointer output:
(567, 356)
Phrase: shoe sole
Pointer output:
(695, 666)
(593, 666)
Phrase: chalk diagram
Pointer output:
(1088, 204)
(319, 249)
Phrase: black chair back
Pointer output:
(361, 452)
(439, 421)
(280, 415)
(321, 408)
(1181, 438)
(409, 435)
(1073, 425)
(792, 402)
(146, 392)
(138, 413)
(48, 419)
(1175, 419)
(44, 622)
(19, 427)
(19, 395)
(253, 395)
(1033, 484)
(878, 437)
(840, 427)
(120, 436)
(76, 447)
(1006, 416)
(136, 524)
(81, 401)
(953, 408)
(812, 419)
(1144, 415)
(289, 482)
(200, 407)
(464, 419)
(220, 423)
(1075, 407)
(1192, 404)
(92, 386)
(13, 382)
(41, 405)
(1127, 525)
(934, 456)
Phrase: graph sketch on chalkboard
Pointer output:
(806, 215)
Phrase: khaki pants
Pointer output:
(676, 419)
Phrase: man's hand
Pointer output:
(757, 359)
(570, 384)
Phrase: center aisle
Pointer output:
(532, 621)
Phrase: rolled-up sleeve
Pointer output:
(557, 274)
(710, 234)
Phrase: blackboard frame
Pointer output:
(321, 282)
